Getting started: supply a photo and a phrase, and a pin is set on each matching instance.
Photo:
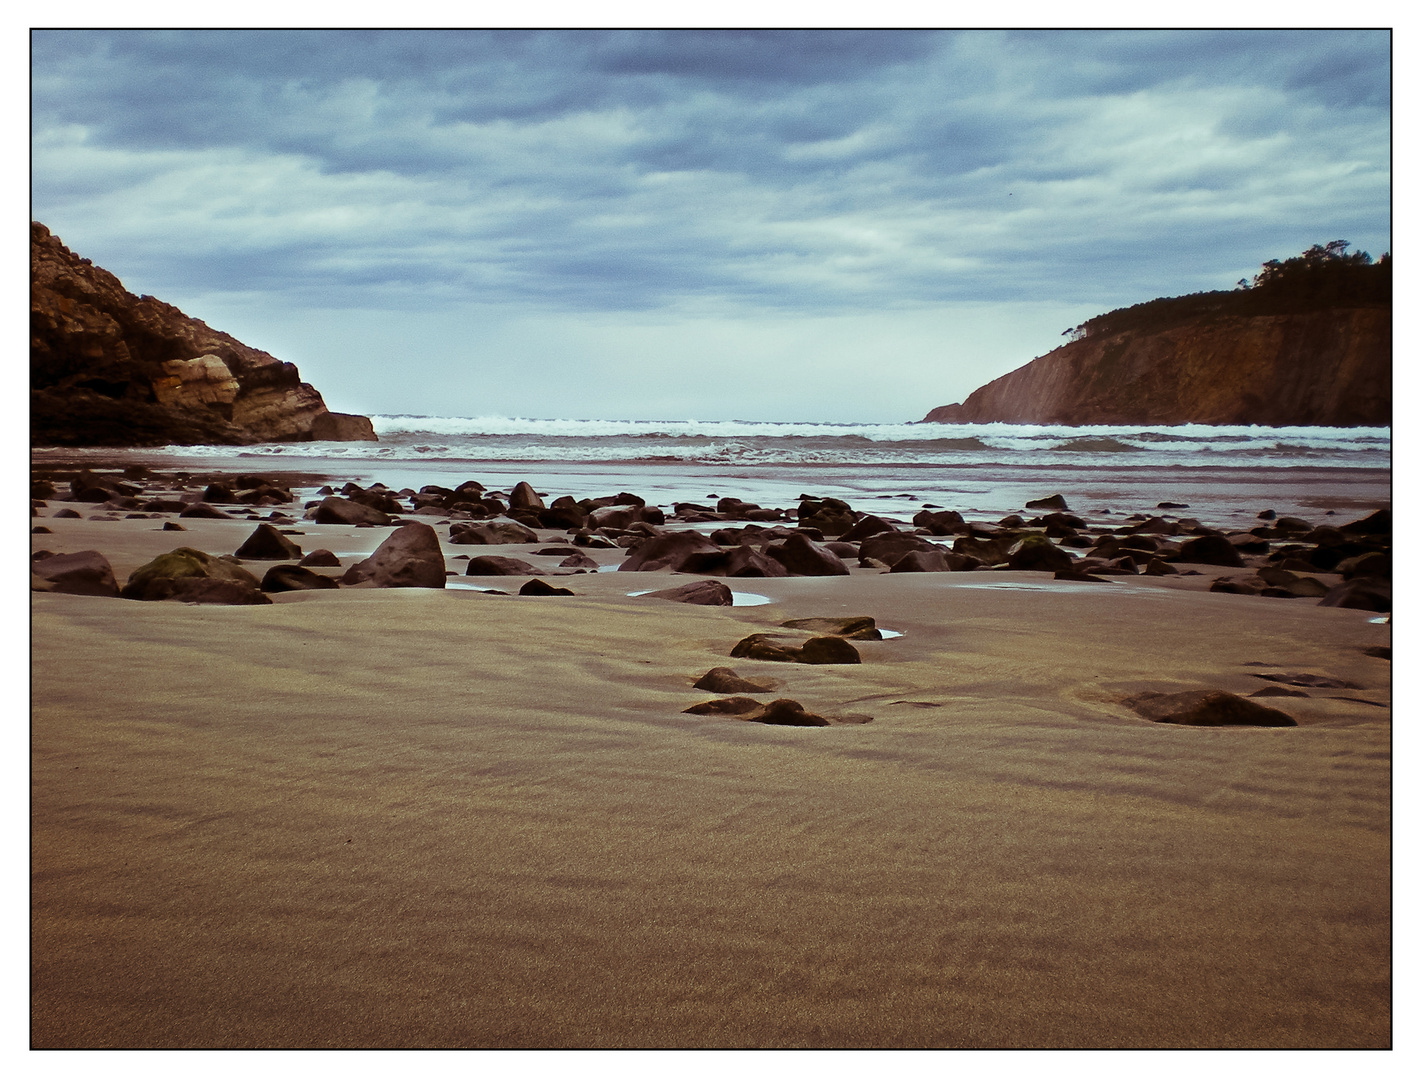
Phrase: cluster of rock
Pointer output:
(828, 645)
(821, 537)
(108, 368)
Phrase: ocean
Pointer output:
(1222, 475)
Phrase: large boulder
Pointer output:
(84, 573)
(865, 527)
(940, 522)
(266, 543)
(194, 576)
(410, 558)
(802, 557)
(745, 562)
(832, 517)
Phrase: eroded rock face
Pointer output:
(108, 368)
(1328, 368)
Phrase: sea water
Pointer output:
(1222, 475)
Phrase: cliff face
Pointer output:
(1327, 368)
(108, 368)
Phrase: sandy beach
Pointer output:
(420, 817)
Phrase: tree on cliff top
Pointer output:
(1325, 276)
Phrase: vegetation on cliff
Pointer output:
(1324, 276)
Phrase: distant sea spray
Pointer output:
(728, 442)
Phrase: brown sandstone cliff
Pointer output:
(108, 368)
(1328, 368)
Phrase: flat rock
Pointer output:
(860, 627)
(1299, 678)
(83, 573)
(334, 510)
(706, 592)
(498, 566)
(539, 587)
(1207, 708)
(291, 578)
(723, 680)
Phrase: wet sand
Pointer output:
(449, 818)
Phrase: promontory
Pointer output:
(1308, 343)
(108, 368)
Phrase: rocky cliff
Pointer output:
(108, 368)
(1328, 368)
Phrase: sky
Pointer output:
(764, 225)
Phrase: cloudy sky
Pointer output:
(779, 225)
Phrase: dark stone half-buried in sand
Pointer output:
(1207, 708)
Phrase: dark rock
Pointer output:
(1077, 575)
(930, 562)
(786, 713)
(410, 558)
(321, 557)
(832, 517)
(168, 577)
(1036, 552)
(1378, 523)
(539, 587)
(1278, 691)
(1365, 594)
(939, 523)
(1382, 652)
(865, 527)
(671, 551)
(67, 513)
(823, 650)
(498, 566)
(42, 529)
(203, 510)
(1300, 678)
(578, 560)
(746, 562)
(733, 706)
(722, 680)
(1211, 550)
(1207, 708)
(523, 497)
(1377, 564)
(173, 526)
(266, 543)
(1051, 502)
(705, 592)
(889, 548)
(805, 558)
(492, 532)
(858, 627)
(288, 578)
(334, 510)
(1228, 585)
(84, 573)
